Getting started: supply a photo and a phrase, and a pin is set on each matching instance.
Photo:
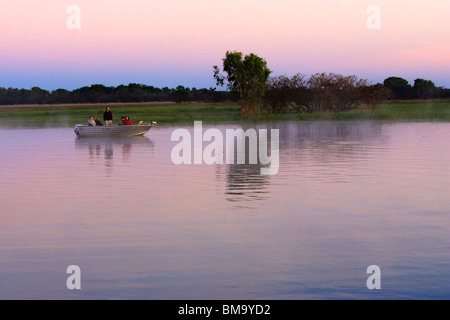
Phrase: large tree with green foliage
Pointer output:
(400, 88)
(247, 76)
(425, 89)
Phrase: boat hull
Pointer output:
(113, 131)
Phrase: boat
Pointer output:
(113, 131)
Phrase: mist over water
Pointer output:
(347, 195)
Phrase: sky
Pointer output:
(163, 43)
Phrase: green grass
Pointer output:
(432, 110)
(210, 113)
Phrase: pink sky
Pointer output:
(176, 42)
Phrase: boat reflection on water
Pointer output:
(107, 148)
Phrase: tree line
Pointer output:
(421, 89)
(250, 78)
(98, 93)
(248, 81)
(335, 92)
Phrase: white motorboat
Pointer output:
(113, 131)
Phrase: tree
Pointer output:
(375, 94)
(286, 94)
(424, 89)
(247, 76)
(335, 92)
(442, 93)
(321, 92)
(37, 95)
(203, 95)
(61, 96)
(181, 94)
(400, 88)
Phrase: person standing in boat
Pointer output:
(127, 121)
(91, 121)
(108, 117)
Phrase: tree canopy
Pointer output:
(400, 87)
(424, 89)
(98, 93)
(247, 76)
(321, 92)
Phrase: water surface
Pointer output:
(347, 195)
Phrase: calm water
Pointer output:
(347, 196)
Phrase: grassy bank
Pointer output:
(212, 113)
(163, 113)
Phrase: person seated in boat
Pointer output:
(122, 118)
(97, 122)
(91, 121)
(127, 121)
